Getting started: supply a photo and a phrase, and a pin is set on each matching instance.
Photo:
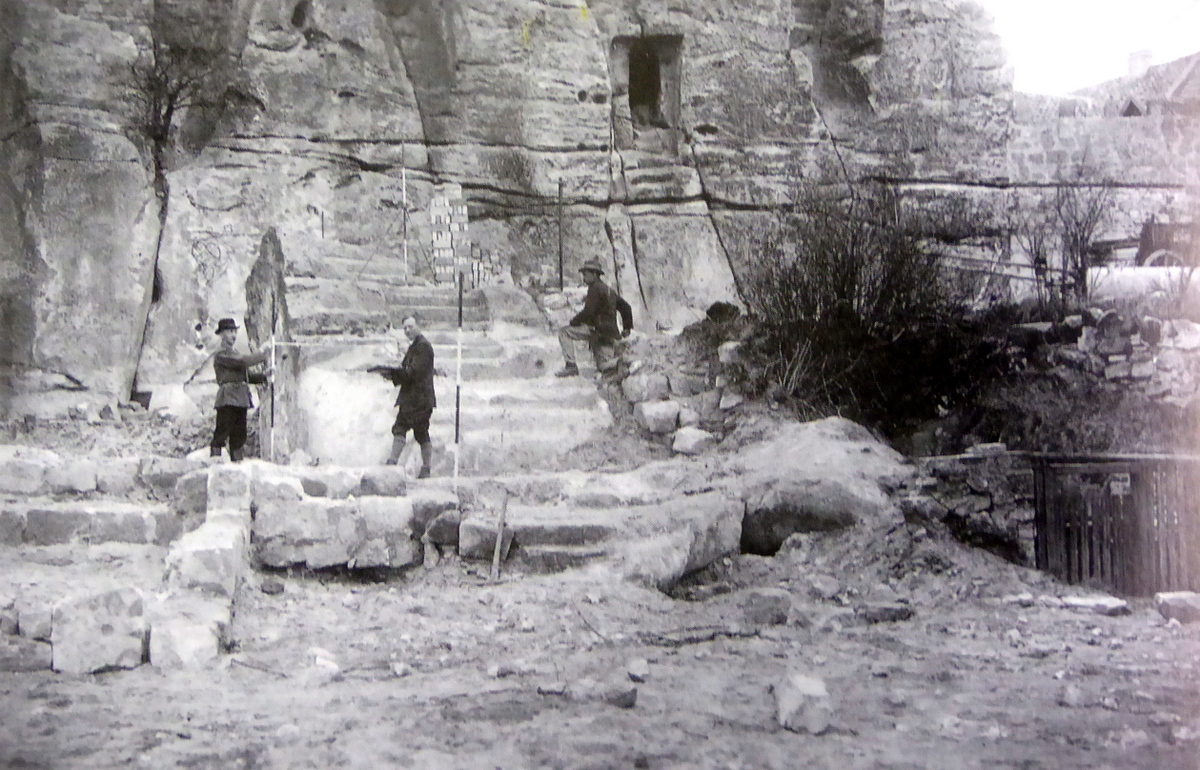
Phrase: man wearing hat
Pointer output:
(596, 323)
(233, 391)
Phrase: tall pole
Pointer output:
(458, 382)
(404, 212)
(560, 236)
(271, 432)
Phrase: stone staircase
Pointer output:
(515, 415)
(650, 176)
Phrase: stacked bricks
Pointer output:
(451, 241)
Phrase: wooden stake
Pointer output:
(499, 538)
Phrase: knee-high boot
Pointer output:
(426, 459)
(397, 448)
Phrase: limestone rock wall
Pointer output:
(345, 108)
(77, 213)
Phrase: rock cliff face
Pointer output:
(659, 137)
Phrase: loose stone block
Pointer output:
(209, 559)
(729, 352)
(76, 475)
(99, 631)
(692, 441)
(683, 385)
(657, 416)
(318, 532)
(802, 704)
(182, 643)
(646, 387)
(1183, 606)
(765, 606)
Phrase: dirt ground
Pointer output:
(440, 668)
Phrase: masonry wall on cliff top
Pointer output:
(508, 98)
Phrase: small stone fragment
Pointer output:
(1101, 605)
(802, 704)
(884, 612)
(271, 586)
(1070, 696)
(638, 669)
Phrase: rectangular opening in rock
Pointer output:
(646, 76)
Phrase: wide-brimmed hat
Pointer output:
(225, 324)
(593, 265)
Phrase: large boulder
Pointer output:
(657, 416)
(671, 539)
(99, 631)
(814, 476)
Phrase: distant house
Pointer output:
(1170, 88)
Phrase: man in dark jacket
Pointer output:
(596, 323)
(417, 399)
(233, 391)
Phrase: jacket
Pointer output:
(234, 377)
(600, 309)
(415, 378)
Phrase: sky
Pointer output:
(1058, 46)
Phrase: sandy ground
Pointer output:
(440, 668)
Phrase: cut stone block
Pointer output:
(444, 529)
(428, 504)
(692, 441)
(51, 525)
(117, 475)
(209, 559)
(684, 385)
(765, 606)
(1101, 605)
(12, 525)
(23, 469)
(229, 490)
(18, 654)
(75, 475)
(8, 615)
(162, 473)
(477, 538)
(99, 631)
(35, 621)
(657, 416)
(384, 481)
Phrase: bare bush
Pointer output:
(854, 317)
(1080, 210)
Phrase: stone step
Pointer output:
(562, 526)
(33, 523)
(418, 295)
(513, 418)
(548, 559)
(575, 392)
(326, 321)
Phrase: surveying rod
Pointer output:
(458, 382)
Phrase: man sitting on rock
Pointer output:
(596, 323)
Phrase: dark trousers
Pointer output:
(231, 425)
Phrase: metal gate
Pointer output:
(1129, 524)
